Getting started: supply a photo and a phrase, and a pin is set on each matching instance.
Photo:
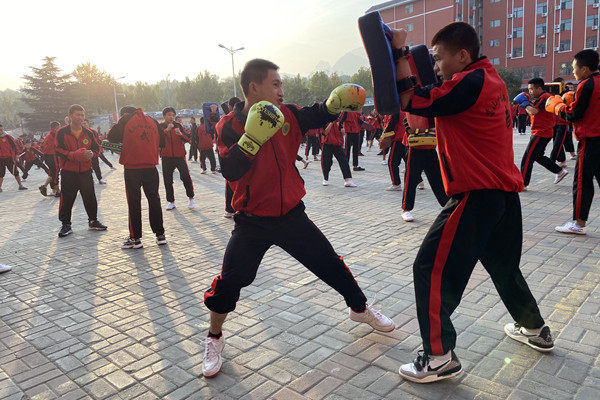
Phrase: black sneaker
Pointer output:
(132, 244)
(43, 190)
(358, 169)
(24, 177)
(22, 187)
(361, 155)
(161, 239)
(57, 194)
(541, 342)
(65, 230)
(96, 226)
(420, 370)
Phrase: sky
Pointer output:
(148, 40)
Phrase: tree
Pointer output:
(363, 78)
(319, 86)
(141, 95)
(92, 88)
(44, 93)
(511, 80)
(296, 91)
(11, 106)
(210, 89)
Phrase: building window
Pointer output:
(540, 29)
(495, 61)
(592, 2)
(541, 8)
(540, 48)
(495, 43)
(410, 27)
(494, 23)
(565, 69)
(517, 52)
(517, 32)
(494, 1)
(591, 21)
(591, 42)
(538, 71)
(565, 45)
(518, 12)
(566, 4)
(409, 9)
(565, 25)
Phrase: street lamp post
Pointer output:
(231, 51)
(115, 93)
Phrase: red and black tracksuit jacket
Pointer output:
(350, 122)
(49, 146)
(334, 136)
(68, 149)
(174, 143)
(8, 147)
(205, 139)
(398, 146)
(31, 154)
(141, 137)
(268, 184)
(543, 122)
(482, 219)
(585, 116)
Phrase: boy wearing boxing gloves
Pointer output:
(258, 143)
(581, 108)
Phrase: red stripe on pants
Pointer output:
(531, 149)
(581, 157)
(435, 291)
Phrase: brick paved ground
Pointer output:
(81, 318)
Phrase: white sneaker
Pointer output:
(407, 216)
(373, 317)
(228, 215)
(203, 172)
(325, 182)
(212, 362)
(214, 172)
(524, 189)
(4, 268)
(384, 162)
(574, 157)
(170, 206)
(394, 188)
(421, 186)
(350, 184)
(101, 181)
(571, 227)
(191, 204)
(305, 163)
(562, 164)
(561, 175)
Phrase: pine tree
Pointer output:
(44, 93)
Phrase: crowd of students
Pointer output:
(472, 174)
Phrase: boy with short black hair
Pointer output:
(582, 109)
(173, 157)
(482, 219)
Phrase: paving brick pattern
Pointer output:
(81, 318)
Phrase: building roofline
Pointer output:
(388, 4)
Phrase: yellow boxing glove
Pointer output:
(346, 97)
(263, 121)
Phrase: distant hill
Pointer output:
(348, 64)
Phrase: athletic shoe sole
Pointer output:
(91, 228)
(213, 375)
(433, 378)
(65, 234)
(135, 246)
(569, 231)
(525, 340)
(560, 178)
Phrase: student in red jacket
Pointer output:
(542, 131)
(205, 145)
(48, 149)
(8, 158)
(583, 110)
(312, 143)
(173, 157)
(141, 138)
(31, 156)
(258, 143)
(333, 141)
(351, 128)
(482, 220)
(75, 147)
(397, 148)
